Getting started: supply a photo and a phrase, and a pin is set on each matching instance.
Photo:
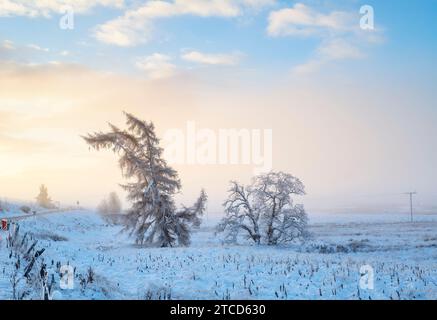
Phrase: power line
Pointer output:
(411, 202)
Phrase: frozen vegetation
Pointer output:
(106, 265)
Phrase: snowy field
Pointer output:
(15, 208)
(403, 257)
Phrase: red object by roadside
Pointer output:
(4, 224)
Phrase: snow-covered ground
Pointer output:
(15, 208)
(403, 257)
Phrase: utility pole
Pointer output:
(411, 203)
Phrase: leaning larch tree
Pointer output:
(153, 218)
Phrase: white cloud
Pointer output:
(258, 4)
(46, 8)
(7, 45)
(10, 51)
(124, 31)
(339, 31)
(213, 59)
(37, 48)
(328, 51)
(156, 66)
(336, 49)
(134, 26)
(302, 20)
(308, 67)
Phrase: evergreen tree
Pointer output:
(43, 198)
(153, 217)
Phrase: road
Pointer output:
(26, 216)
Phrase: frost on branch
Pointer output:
(153, 217)
(264, 212)
(241, 215)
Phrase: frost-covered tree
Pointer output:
(193, 214)
(242, 215)
(282, 221)
(102, 208)
(110, 205)
(264, 211)
(153, 217)
(114, 203)
(43, 198)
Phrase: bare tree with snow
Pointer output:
(153, 217)
(264, 211)
(241, 214)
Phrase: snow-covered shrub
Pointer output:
(48, 235)
(264, 211)
(26, 209)
(329, 248)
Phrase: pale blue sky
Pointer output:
(408, 30)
